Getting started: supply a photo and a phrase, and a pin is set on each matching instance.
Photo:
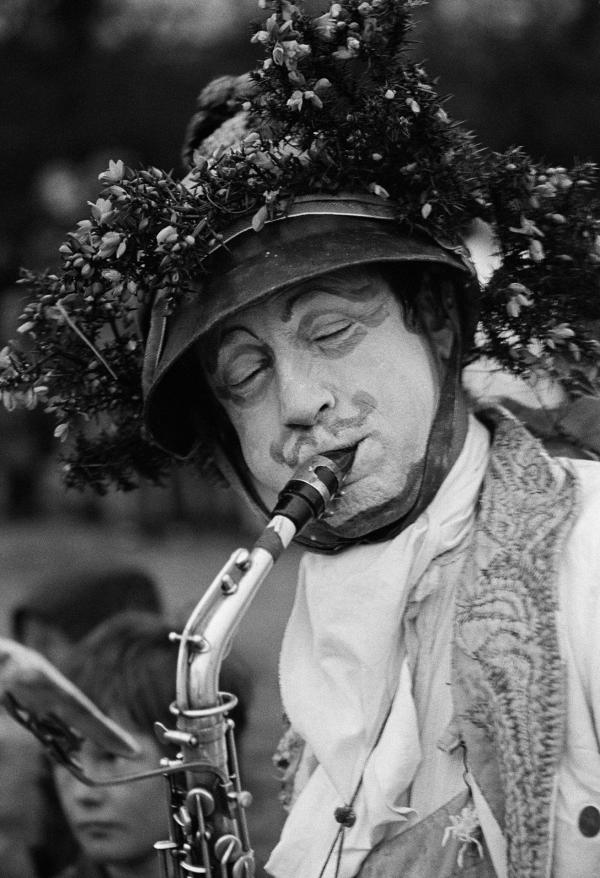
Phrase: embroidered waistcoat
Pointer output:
(508, 680)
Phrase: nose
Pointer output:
(88, 797)
(80, 794)
(306, 392)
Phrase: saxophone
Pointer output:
(208, 831)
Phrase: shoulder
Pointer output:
(582, 546)
(587, 471)
(579, 572)
(585, 529)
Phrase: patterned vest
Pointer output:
(508, 680)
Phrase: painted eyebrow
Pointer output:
(231, 329)
(210, 355)
(225, 339)
(351, 295)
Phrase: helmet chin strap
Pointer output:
(439, 457)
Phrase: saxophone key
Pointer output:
(228, 585)
(243, 798)
(171, 736)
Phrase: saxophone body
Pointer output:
(208, 831)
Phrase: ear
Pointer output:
(439, 316)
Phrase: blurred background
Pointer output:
(87, 82)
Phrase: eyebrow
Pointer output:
(230, 330)
(311, 289)
(210, 354)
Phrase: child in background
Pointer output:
(56, 613)
(61, 610)
(127, 666)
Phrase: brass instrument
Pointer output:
(208, 832)
(208, 829)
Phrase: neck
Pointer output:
(146, 868)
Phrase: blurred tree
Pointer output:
(509, 15)
(521, 71)
(83, 78)
(82, 82)
(39, 92)
(183, 22)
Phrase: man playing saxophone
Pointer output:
(305, 291)
(418, 670)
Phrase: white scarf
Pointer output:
(343, 667)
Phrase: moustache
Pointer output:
(289, 448)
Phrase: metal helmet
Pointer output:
(320, 234)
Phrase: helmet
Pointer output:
(319, 234)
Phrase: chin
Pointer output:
(365, 508)
(366, 520)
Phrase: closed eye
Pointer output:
(245, 379)
(333, 332)
(244, 370)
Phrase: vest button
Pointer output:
(589, 821)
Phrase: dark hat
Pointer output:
(319, 234)
(77, 601)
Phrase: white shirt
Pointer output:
(424, 702)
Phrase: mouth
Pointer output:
(94, 827)
(343, 457)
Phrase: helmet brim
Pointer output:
(321, 235)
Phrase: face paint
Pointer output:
(233, 382)
(338, 284)
(241, 371)
(330, 365)
(304, 445)
(338, 336)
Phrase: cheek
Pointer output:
(406, 385)
(63, 783)
(255, 428)
(144, 810)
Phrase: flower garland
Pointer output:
(541, 309)
(336, 105)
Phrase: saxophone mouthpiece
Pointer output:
(313, 485)
(343, 459)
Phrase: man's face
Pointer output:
(325, 365)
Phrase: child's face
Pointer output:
(116, 824)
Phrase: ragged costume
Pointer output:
(473, 647)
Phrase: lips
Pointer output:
(95, 827)
(343, 457)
